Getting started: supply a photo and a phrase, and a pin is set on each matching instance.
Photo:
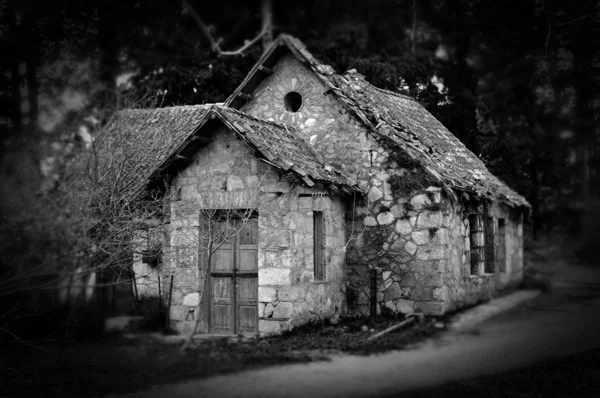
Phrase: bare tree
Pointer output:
(217, 227)
(266, 32)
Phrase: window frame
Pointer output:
(319, 269)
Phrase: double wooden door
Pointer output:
(233, 282)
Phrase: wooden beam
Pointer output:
(396, 326)
(203, 140)
(264, 69)
(245, 96)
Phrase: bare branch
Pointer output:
(578, 19)
(215, 44)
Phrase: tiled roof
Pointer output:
(136, 141)
(139, 143)
(282, 147)
(406, 123)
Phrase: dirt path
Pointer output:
(558, 324)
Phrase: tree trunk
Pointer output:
(30, 58)
(107, 44)
(585, 128)
(15, 76)
(267, 20)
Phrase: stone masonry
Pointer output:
(414, 236)
(226, 174)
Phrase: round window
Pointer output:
(292, 101)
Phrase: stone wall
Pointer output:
(288, 293)
(226, 174)
(405, 239)
(466, 289)
(146, 277)
(321, 121)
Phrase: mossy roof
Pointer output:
(141, 145)
(405, 123)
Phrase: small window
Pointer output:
(292, 101)
(476, 244)
(319, 245)
(501, 257)
(152, 257)
(490, 254)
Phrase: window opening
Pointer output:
(319, 243)
(501, 245)
(292, 101)
(476, 244)
(490, 255)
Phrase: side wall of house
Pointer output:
(404, 243)
(502, 239)
(226, 174)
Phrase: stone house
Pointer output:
(362, 202)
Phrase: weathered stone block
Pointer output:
(422, 293)
(397, 210)
(429, 219)
(235, 183)
(382, 175)
(267, 327)
(430, 253)
(403, 227)
(261, 310)
(283, 310)
(288, 293)
(370, 221)
(305, 203)
(390, 305)
(432, 279)
(421, 237)
(306, 276)
(275, 187)
(269, 308)
(398, 244)
(387, 283)
(420, 201)
(441, 293)
(408, 280)
(191, 300)
(393, 292)
(374, 194)
(405, 306)
(274, 239)
(385, 218)
(441, 236)
(274, 276)
(410, 248)
(266, 294)
(430, 307)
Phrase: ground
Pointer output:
(117, 364)
(548, 346)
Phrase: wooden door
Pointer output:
(234, 283)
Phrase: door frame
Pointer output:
(235, 275)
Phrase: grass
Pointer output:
(114, 364)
